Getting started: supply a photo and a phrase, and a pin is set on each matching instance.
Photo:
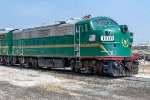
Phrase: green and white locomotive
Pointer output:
(92, 45)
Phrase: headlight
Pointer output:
(124, 28)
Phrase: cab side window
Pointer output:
(82, 28)
(77, 29)
(85, 28)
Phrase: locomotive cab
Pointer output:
(101, 38)
(115, 40)
(105, 36)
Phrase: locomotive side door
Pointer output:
(10, 42)
(77, 41)
(80, 38)
(19, 50)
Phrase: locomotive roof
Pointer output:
(5, 30)
(90, 19)
(64, 23)
(71, 21)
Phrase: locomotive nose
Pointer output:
(109, 33)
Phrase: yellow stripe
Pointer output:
(90, 45)
(102, 46)
(4, 47)
(45, 46)
(58, 46)
(67, 45)
(61, 46)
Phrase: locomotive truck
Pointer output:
(93, 45)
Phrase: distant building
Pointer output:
(141, 47)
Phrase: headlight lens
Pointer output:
(124, 28)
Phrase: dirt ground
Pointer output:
(28, 84)
(145, 69)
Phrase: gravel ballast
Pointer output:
(28, 84)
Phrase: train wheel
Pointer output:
(1, 60)
(21, 62)
(4, 60)
(7, 61)
(14, 61)
(29, 64)
(135, 67)
(94, 66)
(35, 63)
(86, 68)
(72, 65)
(89, 70)
(11, 63)
(100, 67)
(75, 66)
(77, 69)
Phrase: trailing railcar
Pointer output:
(5, 45)
(92, 45)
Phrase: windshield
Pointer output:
(103, 22)
(100, 22)
(112, 22)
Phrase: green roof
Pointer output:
(88, 20)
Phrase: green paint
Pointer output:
(10, 42)
(119, 47)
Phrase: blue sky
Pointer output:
(30, 13)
